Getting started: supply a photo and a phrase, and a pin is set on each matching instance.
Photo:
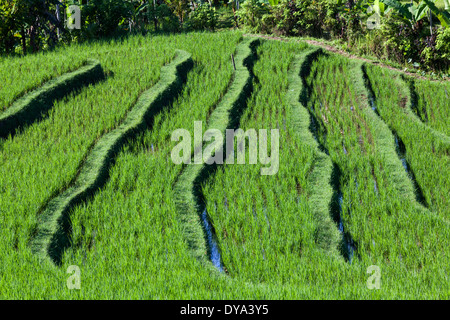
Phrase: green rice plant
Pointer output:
(36, 103)
(21, 75)
(379, 207)
(268, 230)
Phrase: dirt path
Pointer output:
(343, 53)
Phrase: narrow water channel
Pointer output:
(400, 148)
(346, 237)
(345, 150)
(313, 127)
(373, 104)
(399, 145)
(212, 243)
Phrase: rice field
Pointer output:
(431, 104)
(425, 149)
(362, 177)
(29, 73)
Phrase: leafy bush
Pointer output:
(443, 43)
(251, 15)
(102, 17)
(287, 16)
(373, 44)
(167, 21)
(318, 18)
(437, 53)
(203, 17)
(399, 38)
(403, 42)
(179, 8)
(404, 36)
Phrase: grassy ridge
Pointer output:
(21, 75)
(322, 191)
(36, 103)
(379, 207)
(431, 103)
(52, 237)
(189, 205)
(426, 150)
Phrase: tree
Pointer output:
(28, 21)
(179, 8)
(13, 19)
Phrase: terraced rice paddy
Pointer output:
(91, 182)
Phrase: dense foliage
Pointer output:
(407, 32)
(33, 25)
(402, 32)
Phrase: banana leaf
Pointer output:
(398, 6)
(443, 16)
(380, 6)
(420, 11)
